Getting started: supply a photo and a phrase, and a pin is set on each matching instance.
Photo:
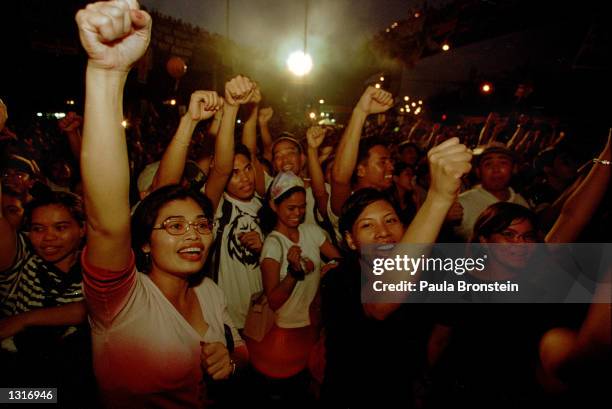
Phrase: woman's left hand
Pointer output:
(216, 360)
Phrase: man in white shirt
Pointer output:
(494, 168)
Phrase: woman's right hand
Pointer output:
(115, 34)
(294, 257)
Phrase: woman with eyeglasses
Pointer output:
(508, 354)
(160, 332)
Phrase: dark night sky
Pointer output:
(273, 23)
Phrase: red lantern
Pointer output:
(176, 67)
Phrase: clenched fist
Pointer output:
(70, 123)
(239, 90)
(315, 136)
(448, 162)
(115, 34)
(375, 101)
(204, 104)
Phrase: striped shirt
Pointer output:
(33, 283)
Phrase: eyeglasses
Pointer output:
(528, 237)
(177, 226)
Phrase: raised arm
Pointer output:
(487, 128)
(70, 125)
(448, 162)
(202, 105)
(249, 139)
(580, 206)
(215, 124)
(373, 101)
(8, 240)
(237, 91)
(115, 35)
(315, 136)
(265, 114)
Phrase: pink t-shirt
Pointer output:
(145, 353)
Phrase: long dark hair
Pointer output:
(267, 216)
(498, 217)
(147, 211)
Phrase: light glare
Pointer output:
(299, 63)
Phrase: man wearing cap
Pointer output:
(20, 174)
(494, 169)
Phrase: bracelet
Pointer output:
(601, 161)
(233, 364)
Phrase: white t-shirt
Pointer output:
(474, 202)
(294, 313)
(145, 353)
(238, 276)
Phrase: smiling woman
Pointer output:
(161, 338)
(291, 269)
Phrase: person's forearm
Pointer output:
(75, 141)
(104, 157)
(348, 148)
(522, 145)
(224, 145)
(224, 156)
(423, 230)
(317, 180)
(281, 293)
(548, 215)
(584, 201)
(428, 221)
(73, 313)
(172, 163)
(249, 131)
(413, 129)
(215, 124)
(516, 137)
(266, 139)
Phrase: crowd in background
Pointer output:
(226, 212)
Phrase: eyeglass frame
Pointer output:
(163, 225)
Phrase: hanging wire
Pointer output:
(306, 27)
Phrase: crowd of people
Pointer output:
(133, 270)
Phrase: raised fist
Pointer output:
(265, 114)
(115, 34)
(204, 104)
(70, 123)
(375, 101)
(256, 95)
(239, 90)
(448, 162)
(315, 136)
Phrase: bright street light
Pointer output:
(299, 63)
